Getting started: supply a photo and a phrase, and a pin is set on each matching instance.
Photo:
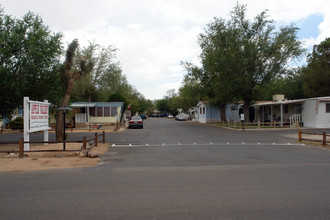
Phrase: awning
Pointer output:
(82, 105)
(281, 102)
(96, 104)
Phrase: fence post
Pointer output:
(95, 139)
(21, 148)
(324, 142)
(103, 137)
(299, 135)
(84, 143)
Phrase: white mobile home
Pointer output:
(312, 112)
(205, 113)
(106, 113)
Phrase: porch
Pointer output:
(105, 113)
(284, 112)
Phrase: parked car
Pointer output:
(170, 117)
(17, 124)
(135, 122)
(144, 117)
(164, 115)
(181, 117)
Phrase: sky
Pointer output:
(154, 36)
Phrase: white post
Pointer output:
(26, 123)
(46, 131)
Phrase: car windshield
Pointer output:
(136, 118)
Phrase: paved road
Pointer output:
(181, 170)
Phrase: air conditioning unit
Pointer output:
(278, 97)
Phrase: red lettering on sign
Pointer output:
(34, 109)
(43, 109)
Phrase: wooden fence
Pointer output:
(323, 140)
(254, 125)
(84, 143)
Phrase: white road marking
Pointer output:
(207, 144)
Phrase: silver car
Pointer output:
(135, 122)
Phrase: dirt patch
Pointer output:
(50, 160)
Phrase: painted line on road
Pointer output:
(207, 144)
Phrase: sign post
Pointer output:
(242, 121)
(64, 109)
(36, 118)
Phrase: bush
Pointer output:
(17, 123)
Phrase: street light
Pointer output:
(64, 109)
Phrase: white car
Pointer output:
(170, 117)
(181, 117)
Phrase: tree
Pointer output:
(102, 77)
(70, 74)
(29, 61)
(162, 105)
(316, 75)
(238, 55)
(291, 85)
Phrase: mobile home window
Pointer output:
(99, 111)
(92, 111)
(327, 107)
(106, 111)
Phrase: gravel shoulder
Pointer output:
(50, 160)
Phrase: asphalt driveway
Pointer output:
(181, 170)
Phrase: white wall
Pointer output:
(309, 114)
(322, 118)
(314, 115)
(201, 117)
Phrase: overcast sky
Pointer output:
(154, 36)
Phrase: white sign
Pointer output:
(36, 118)
(242, 117)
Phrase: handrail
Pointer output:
(294, 120)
